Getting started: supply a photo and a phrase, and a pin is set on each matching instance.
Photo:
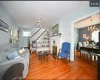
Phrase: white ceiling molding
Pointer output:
(87, 21)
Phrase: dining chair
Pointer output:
(80, 44)
(84, 53)
(85, 44)
(64, 53)
(94, 55)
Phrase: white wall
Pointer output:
(57, 42)
(76, 37)
(33, 30)
(65, 22)
(65, 26)
(4, 16)
(4, 37)
(23, 40)
(65, 30)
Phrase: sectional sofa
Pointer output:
(5, 63)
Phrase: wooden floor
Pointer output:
(80, 69)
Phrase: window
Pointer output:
(26, 34)
(95, 36)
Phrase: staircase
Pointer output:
(40, 40)
(37, 34)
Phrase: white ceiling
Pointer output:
(26, 13)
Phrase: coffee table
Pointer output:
(43, 55)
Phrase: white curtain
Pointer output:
(95, 36)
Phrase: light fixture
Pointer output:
(92, 27)
(40, 22)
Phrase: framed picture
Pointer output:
(55, 30)
(84, 35)
(3, 26)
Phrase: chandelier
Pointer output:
(92, 27)
(40, 21)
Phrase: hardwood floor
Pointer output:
(57, 69)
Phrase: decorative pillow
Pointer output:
(12, 55)
(22, 51)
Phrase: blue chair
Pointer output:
(65, 51)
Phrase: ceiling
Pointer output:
(26, 13)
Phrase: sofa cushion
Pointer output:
(10, 51)
(4, 47)
(6, 50)
(2, 57)
(12, 55)
(12, 45)
(20, 47)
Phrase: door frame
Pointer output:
(72, 31)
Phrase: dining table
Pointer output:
(90, 49)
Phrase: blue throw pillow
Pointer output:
(12, 55)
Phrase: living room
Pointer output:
(32, 34)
